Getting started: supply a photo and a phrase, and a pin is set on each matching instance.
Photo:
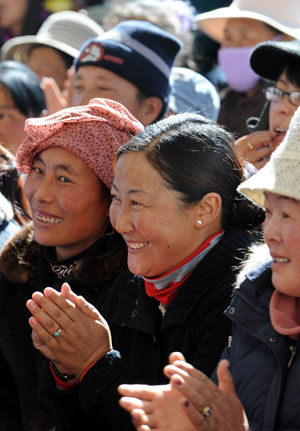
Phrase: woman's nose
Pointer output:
(272, 229)
(44, 191)
(121, 220)
(83, 98)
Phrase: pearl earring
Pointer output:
(199, 222)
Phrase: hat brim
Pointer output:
(269, 180)
(213, 23)
(18, 47)
(268, 59)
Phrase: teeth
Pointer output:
(280, 260)
(279, 130)
(49, 220)
(136, 246)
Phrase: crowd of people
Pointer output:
(149, 216)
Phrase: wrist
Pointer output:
(63, 380)
(92, 364)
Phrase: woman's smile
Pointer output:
(47, 218)
(133, 245)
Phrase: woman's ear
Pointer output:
(209, 211)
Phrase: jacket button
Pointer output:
(134, 313)
(231, 310)
(273, 339)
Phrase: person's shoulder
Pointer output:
(19, 256)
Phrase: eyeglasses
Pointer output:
(274, 94)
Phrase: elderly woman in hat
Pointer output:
(238, 28)
(67, 158)
(264, 349)
(174, 201)
(278, 62)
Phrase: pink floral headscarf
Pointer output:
(92, 132)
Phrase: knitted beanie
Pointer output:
(92, 132)
(138, 51)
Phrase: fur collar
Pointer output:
(258, 255)
(106, 259)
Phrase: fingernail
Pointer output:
(30, 304)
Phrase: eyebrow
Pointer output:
(66, 168)
(132, 191)
(283, 81)
(281, 197)
(98, 78)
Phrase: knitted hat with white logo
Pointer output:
(138, 51)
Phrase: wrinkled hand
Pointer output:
(179, 405)
(199, 391)
(255, 148)
(85, 334)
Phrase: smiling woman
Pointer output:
(174, 201)
(67, 159)
(263, 353)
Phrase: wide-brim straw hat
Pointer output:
(281, 175)
(65, 31)
(269, 58)
(282, 15)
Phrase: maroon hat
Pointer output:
(92, 132)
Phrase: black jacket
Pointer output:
(25, 268)
(194, 324)
(265, 371)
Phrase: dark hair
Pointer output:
(34, 17)
(292, 67)
(195, 156)
(273, 29)
(24, 86)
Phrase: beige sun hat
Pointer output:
(281, 175)
(65, 31)
(284, 15)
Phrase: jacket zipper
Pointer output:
(293, 353)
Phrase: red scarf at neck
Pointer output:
(166, 294)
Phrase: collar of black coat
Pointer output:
(210, 284)
(103, 261)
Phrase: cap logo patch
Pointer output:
(94, 53)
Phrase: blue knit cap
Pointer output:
(138, 51)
